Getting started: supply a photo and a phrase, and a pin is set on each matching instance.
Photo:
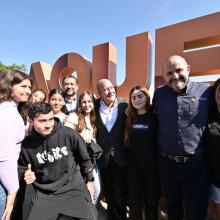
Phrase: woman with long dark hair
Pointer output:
(56, 99)
(140, 142)
(15, 87)
(37, 95)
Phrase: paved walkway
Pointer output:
(102, 214)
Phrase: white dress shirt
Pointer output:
(71, 105)
(108, 115)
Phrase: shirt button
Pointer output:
(179, 118)
(179, 130)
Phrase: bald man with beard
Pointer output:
(182, 108)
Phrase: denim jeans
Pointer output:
(2, 199)
(186, 189)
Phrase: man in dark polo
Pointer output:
(110, 118)
(182, 108)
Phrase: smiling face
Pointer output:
(176, 73)
(86, 104)
(43, 123)
(138, 101)
(57, 103)
(38, 96)
(70, 86)
(106, 91)
(21, 91)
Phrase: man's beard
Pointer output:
(178, 84)
(73, 93)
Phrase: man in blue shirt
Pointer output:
(182, 108)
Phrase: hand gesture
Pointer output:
(29, 175)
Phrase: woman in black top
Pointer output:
(213, 148)
(140, 139)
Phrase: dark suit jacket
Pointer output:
(112, 142)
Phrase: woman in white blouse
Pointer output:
(15, 87)
(84, 122)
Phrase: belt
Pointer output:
(181, 159)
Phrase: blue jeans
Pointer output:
(2, 199)
(186, 189)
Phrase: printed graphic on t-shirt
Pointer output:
(55, 154)
(140, 127)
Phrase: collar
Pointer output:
(70, 100)
(105, 107)
(187, 88)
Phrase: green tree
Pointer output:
(13, 66)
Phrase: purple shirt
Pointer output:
(12, 132)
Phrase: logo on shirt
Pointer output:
(141, 126)
(56, 154)
(193, 99)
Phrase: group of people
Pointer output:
(77, 146)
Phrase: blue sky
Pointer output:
(43, 30)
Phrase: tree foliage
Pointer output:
(13, 66)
